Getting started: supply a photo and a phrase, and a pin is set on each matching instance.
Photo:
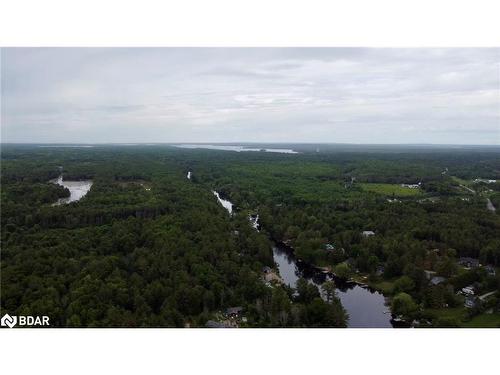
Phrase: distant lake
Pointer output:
(239, 148)
(70, 146)
(77, 189)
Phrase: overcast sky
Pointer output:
(337, 95)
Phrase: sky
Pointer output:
(303, 95)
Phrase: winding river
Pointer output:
(366, 307)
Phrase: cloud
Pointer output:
(358, 95)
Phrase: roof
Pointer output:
(470, 301)
(368, 233)
(437, 280)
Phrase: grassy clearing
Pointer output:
(385, 287)
(391, 189)
(484, 321)
(458, 313)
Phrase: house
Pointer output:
(436, 280)
(471, 302)
(330, 247)
(490, 270)
(368, 233)
(234, 312)
(468, 262)
(468, 290)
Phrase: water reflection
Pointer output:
(366, 308)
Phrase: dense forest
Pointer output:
(148, 247)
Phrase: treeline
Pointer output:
(144, 248)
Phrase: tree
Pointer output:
(403, 304)
(329, 288)
(306, 291)
(342, 271)
(404, 284)
(446, 267)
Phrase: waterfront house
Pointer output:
(368, 233)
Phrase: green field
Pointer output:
(483, 321)
(391, 189)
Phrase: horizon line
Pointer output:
(247, 142)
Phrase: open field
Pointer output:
(391, 189)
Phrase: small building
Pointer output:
(330, 247)
(368, 233)
(471, 302)
(490, 270)
(234, 312)
(468, 262)
(436, 280)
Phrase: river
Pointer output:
(225, 203)
(77, 189)
(366, 308)
(489, 205)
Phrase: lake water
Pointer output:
(78, 189)
(239, 148)
(366, 307)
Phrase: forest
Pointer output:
(149, 247)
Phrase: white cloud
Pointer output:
(268, 95)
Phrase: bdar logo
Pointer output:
(9, 321)
(22, 320)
